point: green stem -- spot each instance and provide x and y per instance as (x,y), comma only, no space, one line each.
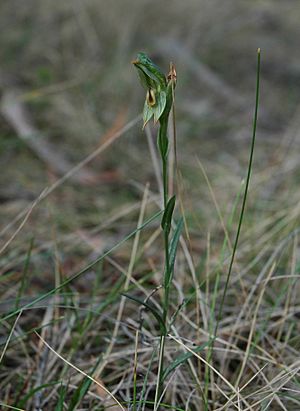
(165,181)
(241,218)
(245,195)
(167,275)
(159,387)
(163,144)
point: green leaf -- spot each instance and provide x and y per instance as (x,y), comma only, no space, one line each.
(62,395)
(79,393)
(182,359)
(22,403)
(161,100)
(173,248)
(151,308)
(167,216)
(82,389)
(156,109)
(148,113)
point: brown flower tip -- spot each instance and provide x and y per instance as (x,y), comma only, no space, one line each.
(172,76)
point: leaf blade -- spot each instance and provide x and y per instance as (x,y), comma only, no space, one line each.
(149,307)
(168,213)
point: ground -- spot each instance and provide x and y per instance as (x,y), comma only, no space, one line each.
(73,194)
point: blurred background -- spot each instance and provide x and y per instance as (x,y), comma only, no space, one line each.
(67,87)
(75,160)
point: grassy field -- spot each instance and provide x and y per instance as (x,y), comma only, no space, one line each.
(81,207)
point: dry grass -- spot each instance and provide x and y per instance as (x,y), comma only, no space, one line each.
(70,62)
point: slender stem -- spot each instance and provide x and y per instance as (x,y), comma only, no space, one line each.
(163,144)
(218,318)
(134,403)
(245,193)
(159,387)
(167,272)
(165,181)
(244,199)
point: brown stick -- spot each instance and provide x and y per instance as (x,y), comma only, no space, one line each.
(14,111)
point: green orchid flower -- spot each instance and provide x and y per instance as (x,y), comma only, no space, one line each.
(158,90)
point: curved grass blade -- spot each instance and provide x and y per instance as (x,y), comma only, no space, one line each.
(151,308)
(182,359)
(22,403)
(81,272)
(82,389)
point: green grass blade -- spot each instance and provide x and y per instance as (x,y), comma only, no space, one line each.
(151,308)
(62,395)
(79,393)
(145,382)
(182,359)
(22,403)
(81,272)
(245,194)
(82,389)
(173,248)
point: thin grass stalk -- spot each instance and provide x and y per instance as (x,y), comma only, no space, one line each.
(245,193)
(241,218)
(134,404)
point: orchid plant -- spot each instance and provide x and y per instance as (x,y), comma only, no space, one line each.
(158,105)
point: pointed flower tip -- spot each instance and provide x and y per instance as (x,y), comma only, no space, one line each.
(138,59)
(172,75)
